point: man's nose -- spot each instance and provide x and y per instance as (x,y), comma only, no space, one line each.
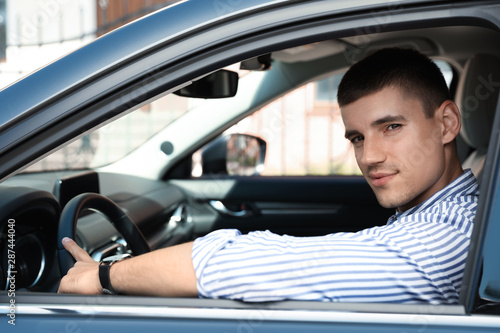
(373,152)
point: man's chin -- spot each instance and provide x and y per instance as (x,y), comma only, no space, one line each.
(389,203)
(389,206)
(388,197)
(400,206)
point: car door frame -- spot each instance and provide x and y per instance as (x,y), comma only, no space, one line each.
(101,313)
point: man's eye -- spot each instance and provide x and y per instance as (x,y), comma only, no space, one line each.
(357,139)
(392,127)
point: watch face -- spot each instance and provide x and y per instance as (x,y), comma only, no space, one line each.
(116,257)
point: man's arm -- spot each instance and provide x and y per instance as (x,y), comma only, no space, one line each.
(164,272)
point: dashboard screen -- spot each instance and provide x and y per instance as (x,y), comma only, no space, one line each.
(67,188)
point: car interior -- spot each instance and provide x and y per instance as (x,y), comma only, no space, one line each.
(172,205)
(477,114)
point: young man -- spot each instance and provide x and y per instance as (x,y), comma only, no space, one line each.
(399,117)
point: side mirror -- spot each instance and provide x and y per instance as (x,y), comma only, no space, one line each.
(220,84)
(235,155)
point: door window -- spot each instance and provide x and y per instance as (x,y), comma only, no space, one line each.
(304,132)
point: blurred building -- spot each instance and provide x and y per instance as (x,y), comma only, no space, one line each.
(36,32)
(112,14)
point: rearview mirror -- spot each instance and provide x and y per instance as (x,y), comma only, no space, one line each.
(220,84)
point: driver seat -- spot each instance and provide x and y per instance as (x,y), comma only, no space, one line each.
(477,96)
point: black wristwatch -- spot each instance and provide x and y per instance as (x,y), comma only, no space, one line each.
(104,270)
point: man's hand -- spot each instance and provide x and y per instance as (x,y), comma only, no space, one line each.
(164,272)
(83,278)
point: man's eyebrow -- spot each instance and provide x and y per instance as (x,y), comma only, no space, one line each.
(388,119)
(351,133)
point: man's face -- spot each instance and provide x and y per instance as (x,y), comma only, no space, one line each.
(398,149)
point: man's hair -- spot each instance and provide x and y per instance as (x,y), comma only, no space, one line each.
(411,71)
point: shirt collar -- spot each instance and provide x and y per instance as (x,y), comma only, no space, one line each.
(438,196)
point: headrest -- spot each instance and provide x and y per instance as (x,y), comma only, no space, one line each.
(477,96)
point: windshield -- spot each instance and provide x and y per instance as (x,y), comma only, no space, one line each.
(115,140)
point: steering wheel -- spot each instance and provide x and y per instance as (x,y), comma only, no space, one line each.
(107,208)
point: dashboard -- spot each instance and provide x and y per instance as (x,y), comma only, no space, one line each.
(30,216)
(29,221)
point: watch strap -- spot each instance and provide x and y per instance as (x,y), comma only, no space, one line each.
(104,278)
(105,271)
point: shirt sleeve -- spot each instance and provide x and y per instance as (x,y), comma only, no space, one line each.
(205,248)
(353,267)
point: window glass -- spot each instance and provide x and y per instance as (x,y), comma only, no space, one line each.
(304,132)
(326,89)
(446,70)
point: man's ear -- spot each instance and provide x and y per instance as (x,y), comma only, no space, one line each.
(451,120)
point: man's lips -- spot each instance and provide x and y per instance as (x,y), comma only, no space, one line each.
(381,178)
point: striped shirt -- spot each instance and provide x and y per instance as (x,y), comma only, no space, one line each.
(419,256)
